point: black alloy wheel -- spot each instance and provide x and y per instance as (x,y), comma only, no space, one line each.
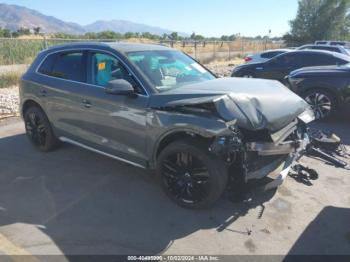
(321,102)
(190,175)
(185,177)
(38,129)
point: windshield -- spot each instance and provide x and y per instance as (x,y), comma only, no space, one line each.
(168,69)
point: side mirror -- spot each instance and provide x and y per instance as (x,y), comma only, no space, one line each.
(119,87)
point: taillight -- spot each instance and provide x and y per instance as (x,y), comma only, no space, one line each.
(247,59)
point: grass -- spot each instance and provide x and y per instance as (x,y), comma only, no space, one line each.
(9,79)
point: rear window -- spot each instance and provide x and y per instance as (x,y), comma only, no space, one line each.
(321,42)
(68,66)
(338,43)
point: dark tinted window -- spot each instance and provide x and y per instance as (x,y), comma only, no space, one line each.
(327,48)
(291,59)
(308,59)
(68,66)
(321,42)
(338,43)
(271,54)
(324,59)
(46,66)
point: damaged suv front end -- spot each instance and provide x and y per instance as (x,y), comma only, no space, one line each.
(154,107)
(258,127)
(259,154)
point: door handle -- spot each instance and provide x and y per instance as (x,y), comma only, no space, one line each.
(86,103)
(42,92)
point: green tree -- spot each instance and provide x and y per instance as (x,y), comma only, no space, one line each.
(224,38)
(164,36)
(199,37)
(174,36)
(5,32)
(108,35)
(319,20)
(193,36)
(90,35)
(23,31)
(37,30)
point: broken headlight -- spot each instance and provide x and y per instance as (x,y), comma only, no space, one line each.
(307,116)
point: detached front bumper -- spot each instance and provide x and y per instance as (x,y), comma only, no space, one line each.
(280,158)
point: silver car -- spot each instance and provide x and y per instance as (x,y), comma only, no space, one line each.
(264,56)
(331,48)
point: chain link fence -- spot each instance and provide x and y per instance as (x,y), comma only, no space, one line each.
(209,51)
(23,51)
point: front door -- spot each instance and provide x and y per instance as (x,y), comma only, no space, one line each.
(117,122)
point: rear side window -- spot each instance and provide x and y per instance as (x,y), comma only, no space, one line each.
(332,49)
(68,66)
(323,59)
(271,54)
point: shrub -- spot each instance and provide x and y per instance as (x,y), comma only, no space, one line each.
(10,78)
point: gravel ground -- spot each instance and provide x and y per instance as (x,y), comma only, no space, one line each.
(9,100)
(224,68)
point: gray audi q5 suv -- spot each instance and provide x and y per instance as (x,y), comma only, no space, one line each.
(157,108)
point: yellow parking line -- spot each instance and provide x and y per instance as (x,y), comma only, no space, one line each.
(15,252)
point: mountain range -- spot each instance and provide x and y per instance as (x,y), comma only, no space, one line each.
(14,17)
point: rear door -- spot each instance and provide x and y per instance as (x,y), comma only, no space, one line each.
(65,80)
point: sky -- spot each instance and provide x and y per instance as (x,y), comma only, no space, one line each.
(206,17)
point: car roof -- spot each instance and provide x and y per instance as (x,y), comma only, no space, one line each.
(123,47)
(308,51)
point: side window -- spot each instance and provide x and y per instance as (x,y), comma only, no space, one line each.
(290,60)
(68,66)
(269,55)
(47,64)
(332,49)
(105,68)
(322,60)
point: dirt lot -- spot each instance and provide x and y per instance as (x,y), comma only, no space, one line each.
(72,201)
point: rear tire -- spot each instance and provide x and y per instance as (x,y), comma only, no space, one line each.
(322,102)
(38,129)
(190,175)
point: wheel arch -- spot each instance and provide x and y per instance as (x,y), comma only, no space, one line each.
(172,136)
(29,103)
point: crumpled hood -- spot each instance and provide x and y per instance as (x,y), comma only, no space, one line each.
(254,103)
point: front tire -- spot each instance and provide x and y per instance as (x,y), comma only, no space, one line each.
(248,75)
(323,103)
(190,175)
(38,129)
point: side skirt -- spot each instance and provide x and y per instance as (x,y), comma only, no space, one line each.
(70,141)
